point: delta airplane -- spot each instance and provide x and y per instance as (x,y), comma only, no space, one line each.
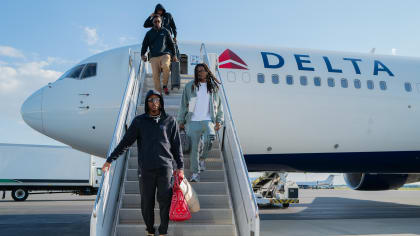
(327,183)
(296,110)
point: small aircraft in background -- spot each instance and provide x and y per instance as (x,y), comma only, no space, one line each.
(326,184)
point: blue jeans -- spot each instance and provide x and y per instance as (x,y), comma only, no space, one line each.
(196,129)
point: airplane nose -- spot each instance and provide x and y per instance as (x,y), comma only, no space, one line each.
(31,110)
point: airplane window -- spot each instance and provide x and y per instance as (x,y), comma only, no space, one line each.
(260,78)
(357,83)
(275,78)
(331,82)
(303,80)
(64,75)
(344,83)
(407,87)
(246,77)
(231,77)
(317,81)
(382,84)
(370,84)
(75,72)
(90,71)
(289,80)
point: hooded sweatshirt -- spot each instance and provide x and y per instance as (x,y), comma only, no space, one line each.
(159,42)
(167,20)
(158,139)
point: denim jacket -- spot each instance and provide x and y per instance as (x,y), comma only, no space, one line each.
(188,103)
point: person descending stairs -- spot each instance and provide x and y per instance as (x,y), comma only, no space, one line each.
(216,214)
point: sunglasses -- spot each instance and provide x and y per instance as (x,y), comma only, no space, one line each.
(154,100)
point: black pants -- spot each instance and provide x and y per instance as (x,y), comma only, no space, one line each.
(150,180)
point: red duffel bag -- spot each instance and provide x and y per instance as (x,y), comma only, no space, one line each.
(179,208)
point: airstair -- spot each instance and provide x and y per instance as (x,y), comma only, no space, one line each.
(228,206)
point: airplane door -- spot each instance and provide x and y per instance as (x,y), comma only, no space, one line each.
(184,64)
(213,61)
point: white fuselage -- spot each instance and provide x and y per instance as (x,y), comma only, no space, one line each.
(271,116)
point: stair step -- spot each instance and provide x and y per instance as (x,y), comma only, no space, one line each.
(205,176)
(214,153)
(208,216)
(211,163)
(179,229)
(207,188)
(206,201)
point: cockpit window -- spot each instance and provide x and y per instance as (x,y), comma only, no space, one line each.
(75,72)
(90,70)
(80,72)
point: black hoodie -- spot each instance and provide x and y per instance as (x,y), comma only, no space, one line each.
(157,142)
(167,20)
(159,42)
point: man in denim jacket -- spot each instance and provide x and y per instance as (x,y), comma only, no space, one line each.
(202,113)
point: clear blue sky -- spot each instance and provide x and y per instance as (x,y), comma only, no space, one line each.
(41,39)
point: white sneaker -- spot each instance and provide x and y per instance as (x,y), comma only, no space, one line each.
(195,177)
(202,165)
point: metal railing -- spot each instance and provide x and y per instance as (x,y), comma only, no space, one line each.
(102,218)
(244,202)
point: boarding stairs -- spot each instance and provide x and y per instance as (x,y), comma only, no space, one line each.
(227,203)
(216,215)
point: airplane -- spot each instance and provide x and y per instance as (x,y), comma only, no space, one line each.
(327,183)
(295,110)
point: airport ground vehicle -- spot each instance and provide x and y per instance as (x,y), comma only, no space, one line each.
(40,169)
(272,189)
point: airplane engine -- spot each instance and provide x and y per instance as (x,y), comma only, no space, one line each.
(377,182)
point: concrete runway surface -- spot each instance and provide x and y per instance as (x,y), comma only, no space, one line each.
(321,212)
(346,212)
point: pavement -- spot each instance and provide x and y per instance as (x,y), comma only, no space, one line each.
(346,212)
(321,212)
(46,214)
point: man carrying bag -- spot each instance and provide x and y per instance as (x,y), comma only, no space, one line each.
(158,143)
(159,41)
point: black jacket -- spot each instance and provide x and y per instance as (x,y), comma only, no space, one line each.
(167,20)
(157,143)
(159,43)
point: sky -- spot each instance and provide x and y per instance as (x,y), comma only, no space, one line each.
(39,40)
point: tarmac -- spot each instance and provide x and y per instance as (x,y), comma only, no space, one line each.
(320,212)
(346,212)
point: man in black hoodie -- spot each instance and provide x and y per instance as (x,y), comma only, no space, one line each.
(167,20)
(158,142)
(161,47)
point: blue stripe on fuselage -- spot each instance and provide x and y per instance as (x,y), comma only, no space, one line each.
(345,162)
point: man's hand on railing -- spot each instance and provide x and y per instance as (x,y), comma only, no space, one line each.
(174,58)
(106,167)
(181,126)
(217,126)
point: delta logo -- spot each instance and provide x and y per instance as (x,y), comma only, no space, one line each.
(229,60)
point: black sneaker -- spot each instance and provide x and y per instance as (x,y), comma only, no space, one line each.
(149,234)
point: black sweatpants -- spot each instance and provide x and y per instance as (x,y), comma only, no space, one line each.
(150,180)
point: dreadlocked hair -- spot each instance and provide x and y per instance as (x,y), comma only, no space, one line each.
(212,81)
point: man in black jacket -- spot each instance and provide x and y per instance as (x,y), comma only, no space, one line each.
(158,142)
(161,47)
(167,20)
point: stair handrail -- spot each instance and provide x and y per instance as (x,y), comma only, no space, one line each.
(251,225)
(100,223)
